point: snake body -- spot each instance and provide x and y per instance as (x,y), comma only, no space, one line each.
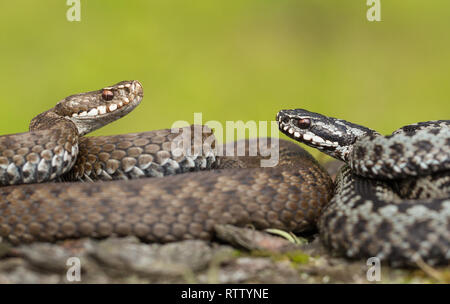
(392,199)
(229,190)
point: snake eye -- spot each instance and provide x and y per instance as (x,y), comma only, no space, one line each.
(107,95)
(304,123)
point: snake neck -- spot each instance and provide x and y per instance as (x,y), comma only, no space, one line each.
(335,137)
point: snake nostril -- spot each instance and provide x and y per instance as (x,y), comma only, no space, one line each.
(285,119)
(107,95)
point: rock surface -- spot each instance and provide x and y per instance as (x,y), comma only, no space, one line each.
(239,255)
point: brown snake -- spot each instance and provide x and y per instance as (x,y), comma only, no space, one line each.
(183,206)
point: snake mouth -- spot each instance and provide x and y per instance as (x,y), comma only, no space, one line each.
(92,110)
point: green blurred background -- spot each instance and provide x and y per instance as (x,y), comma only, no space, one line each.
(229,59)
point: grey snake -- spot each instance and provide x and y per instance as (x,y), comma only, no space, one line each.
(392,198)
(105,189)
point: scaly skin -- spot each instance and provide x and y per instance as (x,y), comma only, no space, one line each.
(185,206)
(392,201)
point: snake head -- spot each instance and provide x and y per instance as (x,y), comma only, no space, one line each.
(92,110)
(332,136)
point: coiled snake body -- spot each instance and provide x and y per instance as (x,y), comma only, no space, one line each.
(372,213)
(184,206)
(392,199)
